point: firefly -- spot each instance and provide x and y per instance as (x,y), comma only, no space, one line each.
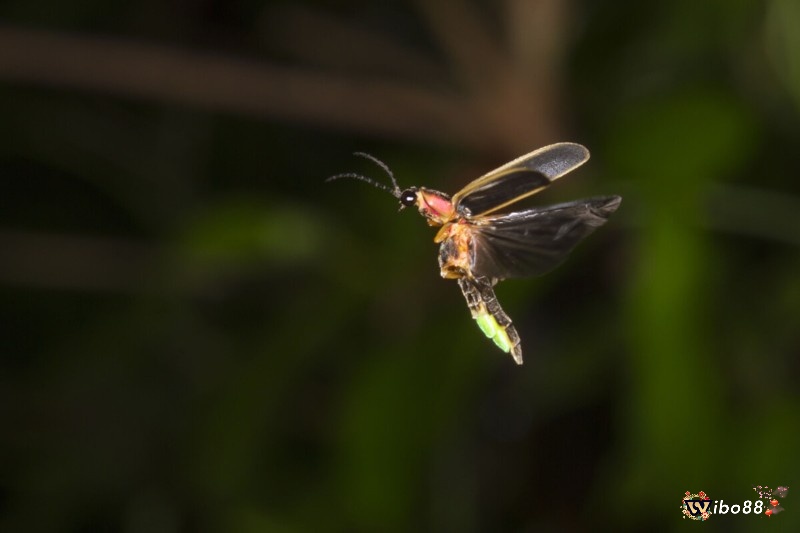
(481,244)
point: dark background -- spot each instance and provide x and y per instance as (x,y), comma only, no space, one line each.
(199,334)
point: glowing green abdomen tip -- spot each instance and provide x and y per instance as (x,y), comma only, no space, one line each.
(492,329)
(488,325)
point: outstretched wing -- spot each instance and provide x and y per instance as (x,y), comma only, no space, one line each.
(533,242)
(518,179)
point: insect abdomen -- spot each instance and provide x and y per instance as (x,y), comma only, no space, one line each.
(491,318)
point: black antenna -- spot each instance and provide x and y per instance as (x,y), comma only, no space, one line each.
(394,192)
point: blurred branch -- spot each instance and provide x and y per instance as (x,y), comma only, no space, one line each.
(537,36)
(473,53)
(102,264)
(336,44)
(230,84)
(514,93)
(73,262)
(757,213)
(504,102)
(783,43)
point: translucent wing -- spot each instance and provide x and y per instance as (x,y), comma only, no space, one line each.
(533,242)
(518,179)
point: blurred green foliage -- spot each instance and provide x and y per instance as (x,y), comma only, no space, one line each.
(199,334)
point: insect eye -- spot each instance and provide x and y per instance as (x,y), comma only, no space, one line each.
(408,198)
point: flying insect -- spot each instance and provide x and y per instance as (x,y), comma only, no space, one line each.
(480,245)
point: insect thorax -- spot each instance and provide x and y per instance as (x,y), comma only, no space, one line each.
(455,257)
